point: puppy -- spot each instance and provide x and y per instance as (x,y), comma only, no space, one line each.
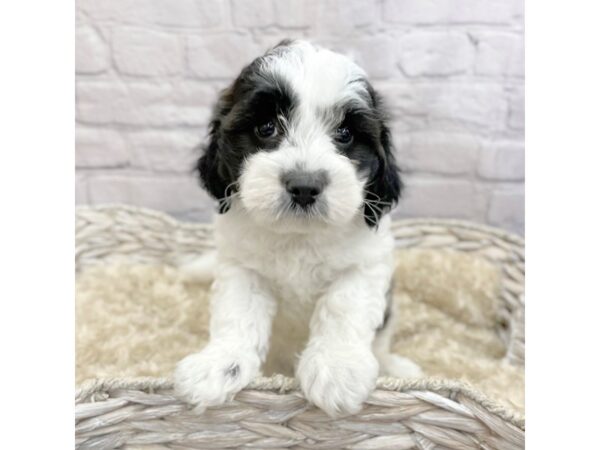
(301,163)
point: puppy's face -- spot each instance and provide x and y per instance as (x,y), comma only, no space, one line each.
(299,141)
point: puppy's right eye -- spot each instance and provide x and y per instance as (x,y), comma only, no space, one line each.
(266,130)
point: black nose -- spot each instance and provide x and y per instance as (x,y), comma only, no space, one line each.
(304,195)
(304,188)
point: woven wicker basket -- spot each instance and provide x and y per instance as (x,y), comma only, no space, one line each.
(271,412)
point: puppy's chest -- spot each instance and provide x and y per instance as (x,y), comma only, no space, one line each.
(297,274)
(300,268)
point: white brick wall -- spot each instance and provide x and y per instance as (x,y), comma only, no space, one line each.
(148,72)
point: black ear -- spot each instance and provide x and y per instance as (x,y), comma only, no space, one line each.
(213,174)
(211,167)
(384,186)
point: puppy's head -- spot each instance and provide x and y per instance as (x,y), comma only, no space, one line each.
(299,140)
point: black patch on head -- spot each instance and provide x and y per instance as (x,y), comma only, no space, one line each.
(365,129)
(253,99)
(373,153)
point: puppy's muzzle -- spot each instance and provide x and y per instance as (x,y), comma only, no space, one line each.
(305,187)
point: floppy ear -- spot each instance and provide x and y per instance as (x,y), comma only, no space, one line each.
(213,172)
(384,186)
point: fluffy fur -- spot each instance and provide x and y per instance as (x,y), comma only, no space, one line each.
(140,320)
(301,162)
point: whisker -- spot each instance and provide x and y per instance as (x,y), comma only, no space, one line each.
(283,211)
(226,200)
(375,221)
(379,200)
(372,205)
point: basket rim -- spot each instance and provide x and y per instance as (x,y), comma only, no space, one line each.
(396,223)
(280,384)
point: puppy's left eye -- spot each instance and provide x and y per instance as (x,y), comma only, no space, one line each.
(343,135)
(266,130)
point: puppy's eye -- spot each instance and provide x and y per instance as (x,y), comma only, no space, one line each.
(266,130)
(343,135)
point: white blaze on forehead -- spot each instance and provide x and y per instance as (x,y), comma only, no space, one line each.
(321,82)
(319,78)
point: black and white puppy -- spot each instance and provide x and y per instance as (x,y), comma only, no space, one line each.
(301,162)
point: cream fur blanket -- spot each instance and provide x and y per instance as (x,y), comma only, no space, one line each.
(136,320)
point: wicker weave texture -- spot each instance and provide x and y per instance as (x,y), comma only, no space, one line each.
(271,413)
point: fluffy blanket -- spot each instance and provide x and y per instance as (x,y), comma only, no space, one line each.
(137,320)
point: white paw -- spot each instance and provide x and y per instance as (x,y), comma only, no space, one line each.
(337,378)
(214,375)
(398,366)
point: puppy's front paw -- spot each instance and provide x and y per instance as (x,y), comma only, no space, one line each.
(338,379)
(214,375)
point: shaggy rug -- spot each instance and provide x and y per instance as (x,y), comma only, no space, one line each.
(140,320)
